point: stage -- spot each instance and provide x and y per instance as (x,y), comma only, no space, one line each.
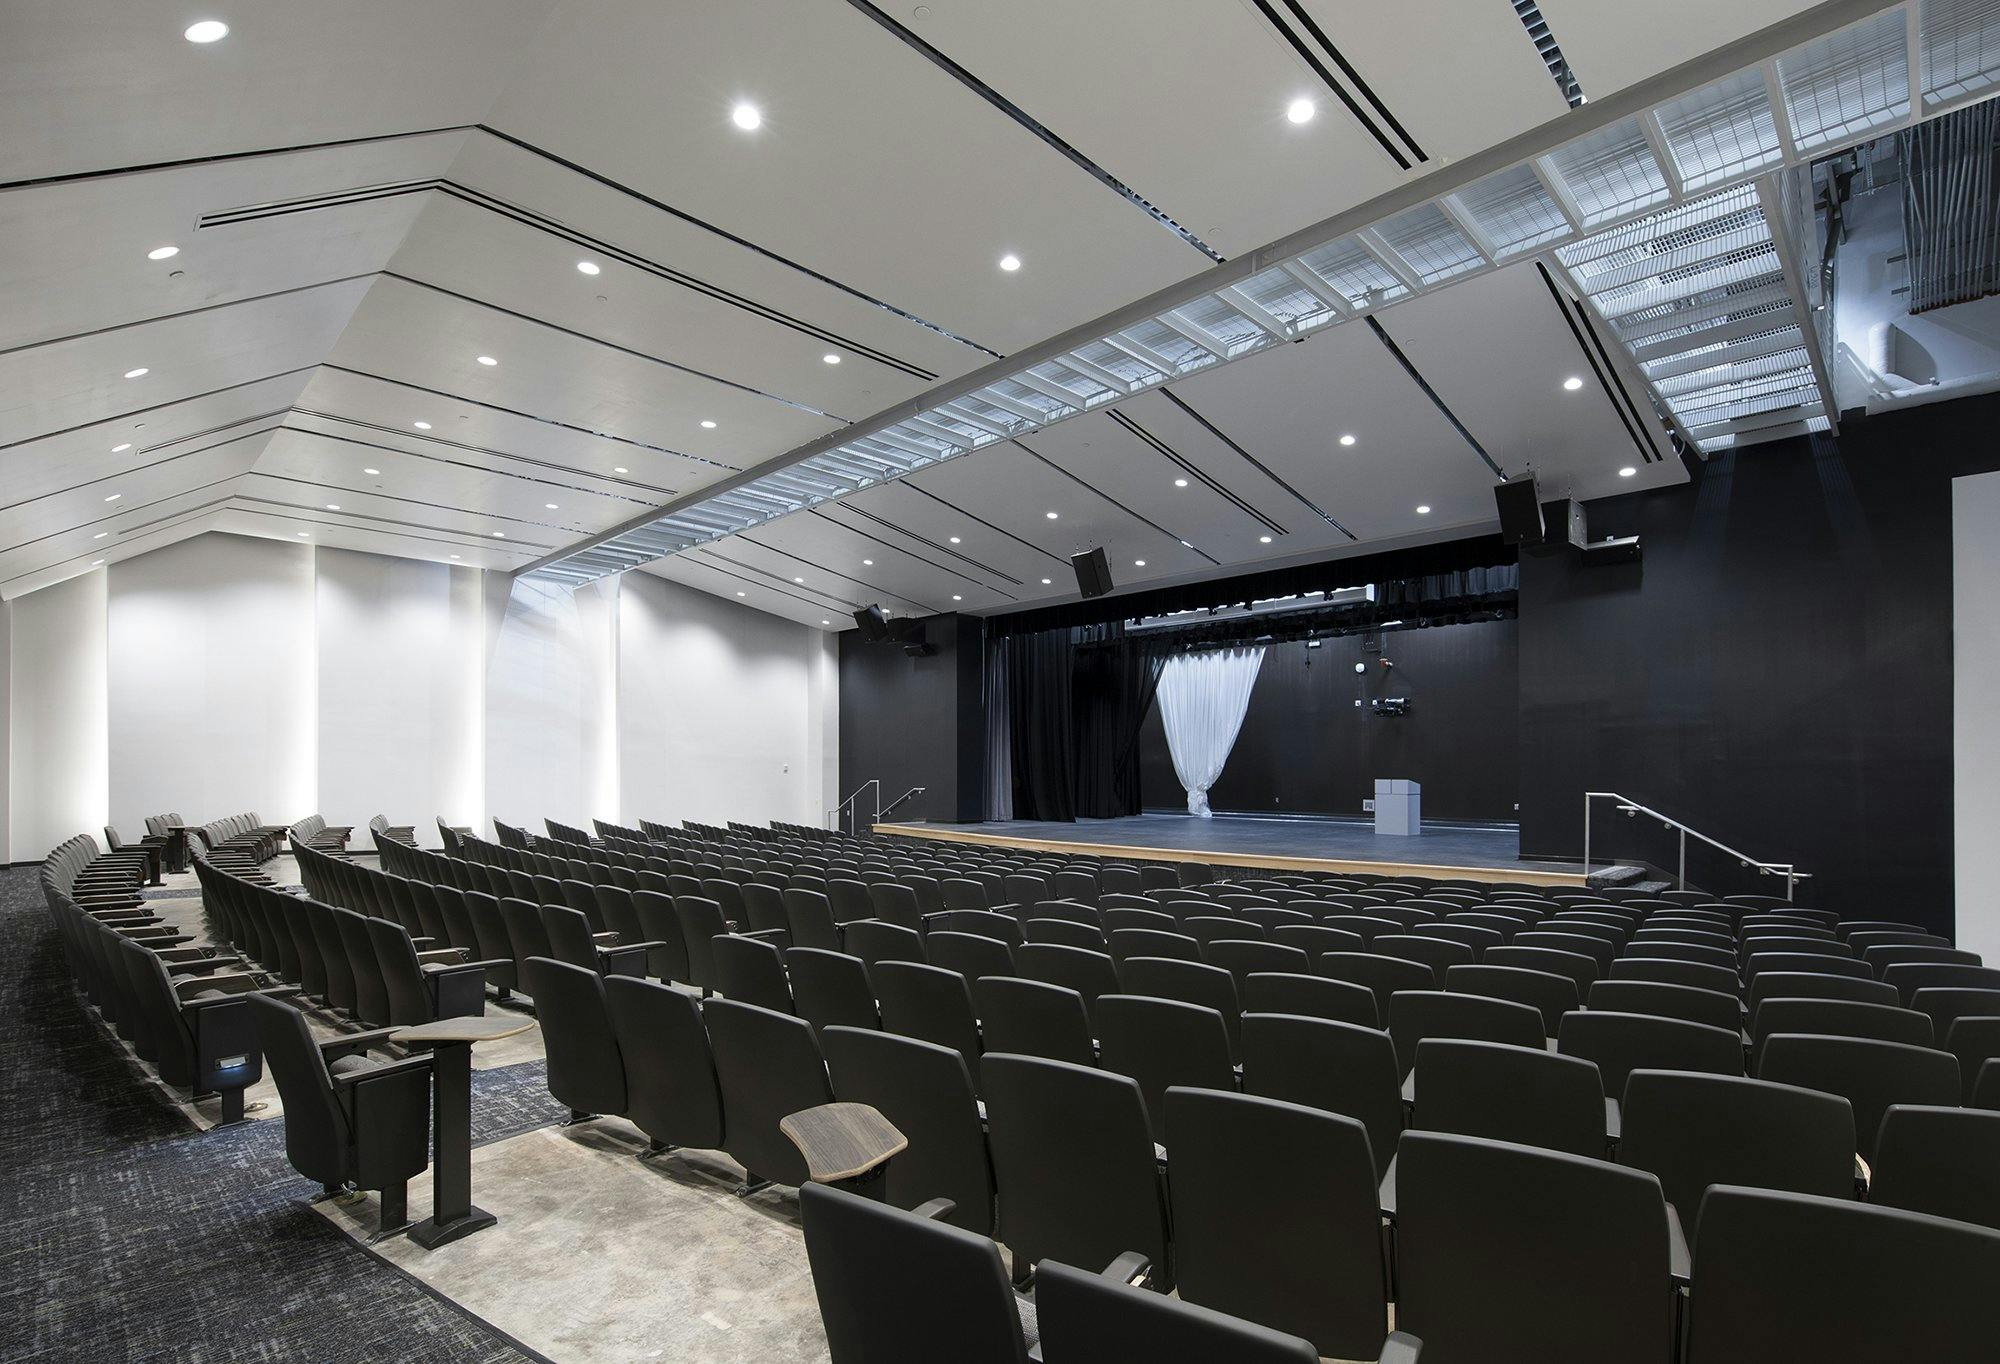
(1489,852)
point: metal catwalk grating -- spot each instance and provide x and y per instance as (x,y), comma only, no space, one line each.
(1660,216)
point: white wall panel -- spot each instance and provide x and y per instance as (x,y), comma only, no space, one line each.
(56,711)
(6,732)
(399,693)
(212,681)
(724,711)
(1975,547)
(550,702)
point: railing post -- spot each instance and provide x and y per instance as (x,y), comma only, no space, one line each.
(1586,837)
(1684,860)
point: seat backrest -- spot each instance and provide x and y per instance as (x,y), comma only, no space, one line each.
(1941,1161)
(893,1285)
(402,976)
(1417,1014)
(1685,1002)
(1240,958)
(874,941)
(1840,1018)
(1908,978)
(1549,994)
(768,1067)
(1974,1041)
(1190,982)
(1813,985)
(659,923)
(701,923)
(1869,1074)
(1785,1278)
(1127,943)
(1302,1253)
(1338,1067)
(1507,1254)
(969,954)
(750,971)
(1033,1018)
(925,1091)
(830,989)
(1701,975)
(670,1083)
(570,935)
(371,991)
(1694,1130)
(1509,1093)
(1277,992)
(318,1137)
(928,1003)
(1073,1159)
(810,916)
(1947,1004)
(1087,1317)
(586,1071)
(1090,974)
(1162,1042)
(1622,1043)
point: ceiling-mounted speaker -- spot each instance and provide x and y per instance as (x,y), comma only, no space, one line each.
(874,625)
(1093,572)
(1520,504)
(1563,523)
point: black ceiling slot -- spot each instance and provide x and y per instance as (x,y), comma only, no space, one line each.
(1417,376)
(1258,465)
(1600,364)
(1387,130)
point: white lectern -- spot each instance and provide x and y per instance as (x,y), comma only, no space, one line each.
(1399,806)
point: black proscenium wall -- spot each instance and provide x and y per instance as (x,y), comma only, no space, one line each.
(916,721)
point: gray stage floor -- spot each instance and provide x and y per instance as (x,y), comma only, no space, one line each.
(1492,845)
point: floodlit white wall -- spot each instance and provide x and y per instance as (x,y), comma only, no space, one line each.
(213,683)
(724,712)
(56,714)
(1975,547)
(400,693)
(230,673)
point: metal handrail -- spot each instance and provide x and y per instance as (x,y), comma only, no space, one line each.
(1630,808)
(848,804)
(890,808)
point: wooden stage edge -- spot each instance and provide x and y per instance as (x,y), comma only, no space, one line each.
(946,834)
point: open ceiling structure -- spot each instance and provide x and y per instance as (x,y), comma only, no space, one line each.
(510,284)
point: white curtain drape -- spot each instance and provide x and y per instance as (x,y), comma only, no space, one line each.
(1202,700)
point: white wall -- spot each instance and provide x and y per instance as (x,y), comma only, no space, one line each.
(725,712)
(228,673)
(57,763)
(213,682)
(6,734)
(1975,547)
(400,693)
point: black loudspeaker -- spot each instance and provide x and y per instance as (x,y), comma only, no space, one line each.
(1093,572)
(1520,510)
(1563,523)
(874,625)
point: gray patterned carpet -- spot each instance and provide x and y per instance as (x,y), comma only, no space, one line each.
(125,1235)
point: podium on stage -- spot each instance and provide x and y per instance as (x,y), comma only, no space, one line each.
(1399,806)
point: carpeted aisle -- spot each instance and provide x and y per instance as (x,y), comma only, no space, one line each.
(125,1235)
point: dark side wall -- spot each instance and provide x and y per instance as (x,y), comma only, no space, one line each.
(1777,672)
(916,721)
(1305,748)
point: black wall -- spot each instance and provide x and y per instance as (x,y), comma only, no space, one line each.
(1776,673)
(916,721)
(1306,749)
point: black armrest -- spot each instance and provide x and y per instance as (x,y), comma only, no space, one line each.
(1132,1267)
(776,935)
(1386,1195)
(235,982)
(176,954)
(387,1070)
(1679,1263)
(441,956)
(198,965)
(1400,1348)
(937,1209)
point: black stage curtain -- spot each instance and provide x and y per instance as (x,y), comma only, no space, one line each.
(1114,686)
(1041,733)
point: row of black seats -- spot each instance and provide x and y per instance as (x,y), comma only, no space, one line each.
(182,1008)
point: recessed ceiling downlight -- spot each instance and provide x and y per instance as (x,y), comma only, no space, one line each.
(748,117)
(589,267)
(1347,440)
(163,253)
(1010,262)
(138,373)
(121,449)
(206,31)
(1627,472)
(1573,383)
(421,426)
(830,358)
(1423,509)
(370,471)
(1301,110)
(708,426)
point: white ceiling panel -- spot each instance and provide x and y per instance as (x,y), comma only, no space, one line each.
(433,339)
(486,255)
(718,579)
(1459,75)
(176,529)
(88,85)
(77,251)
(904,578)
(1194,122)
(283,493)
(872,165)
(1611,46)
(271,521)
(75,382)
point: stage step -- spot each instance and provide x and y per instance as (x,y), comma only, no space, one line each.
(1613,878)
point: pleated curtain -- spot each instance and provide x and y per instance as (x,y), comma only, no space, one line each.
(1203,698)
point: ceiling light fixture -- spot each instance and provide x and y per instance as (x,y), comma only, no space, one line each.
(954,539)
(138,373)
(421,426)
(748,117)
(830,358)
(95,562)
(1180,483)
(868,563)
(333,506)
(1045,582)
(114,497)
(1573,383)
(100,535)
(1423,509)
(1010,262)
(366,470)
(1263,539)
(163,253)
(1301,110)
(121,449)
(956,597)
(798,580)
(301,534)
(618,469)
(1051,515)
(1347,440)
(206,31)
(1138,563)
(499,535)
(487,360)
(588,267)
(739,594)
(454,556)
(550,505)
(708,426)
(1627,471)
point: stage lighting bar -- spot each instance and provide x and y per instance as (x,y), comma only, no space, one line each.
(1718,146)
